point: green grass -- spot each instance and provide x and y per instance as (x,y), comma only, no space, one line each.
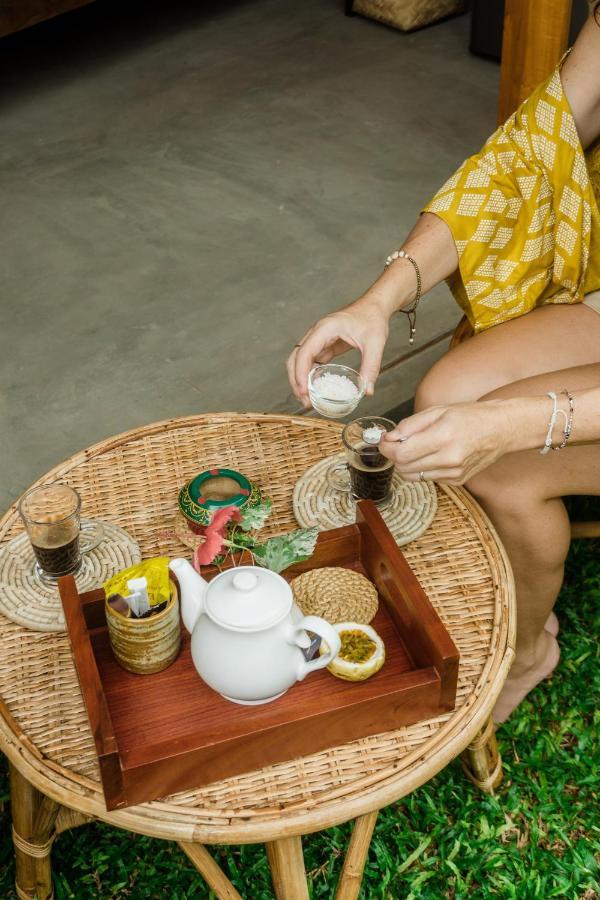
(538,838)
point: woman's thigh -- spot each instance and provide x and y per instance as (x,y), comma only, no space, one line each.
(545,340)
(521,477)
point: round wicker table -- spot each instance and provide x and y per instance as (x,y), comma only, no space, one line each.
(133,480)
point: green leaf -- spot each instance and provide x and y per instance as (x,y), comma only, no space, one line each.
(286,549)
(254,517)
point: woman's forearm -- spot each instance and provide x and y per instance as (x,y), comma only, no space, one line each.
(431,245)
(527,419)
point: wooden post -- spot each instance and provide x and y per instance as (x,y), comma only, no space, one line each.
(32,850)
(286,860)
(481,760)
(356,857)
(535,37)
(212,873)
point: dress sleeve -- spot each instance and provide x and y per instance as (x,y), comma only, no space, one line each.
(523,215)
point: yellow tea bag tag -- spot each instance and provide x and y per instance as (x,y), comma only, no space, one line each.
(156,573)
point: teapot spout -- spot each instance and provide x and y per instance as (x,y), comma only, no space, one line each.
(192,588)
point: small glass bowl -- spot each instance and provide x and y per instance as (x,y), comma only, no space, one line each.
(329,406)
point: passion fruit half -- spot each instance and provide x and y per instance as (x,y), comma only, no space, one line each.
(361,655)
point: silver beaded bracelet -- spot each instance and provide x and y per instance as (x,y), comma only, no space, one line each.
(410,311)
(556,412)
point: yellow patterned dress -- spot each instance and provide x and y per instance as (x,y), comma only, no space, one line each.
(524,214)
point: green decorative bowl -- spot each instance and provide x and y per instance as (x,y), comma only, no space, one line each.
(214,489)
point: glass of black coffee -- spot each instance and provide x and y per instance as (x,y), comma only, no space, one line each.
(51,513)
(367,473)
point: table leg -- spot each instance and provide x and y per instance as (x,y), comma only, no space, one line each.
(212,873)
(33,818)
(286,860)
(356,857)
(481,760)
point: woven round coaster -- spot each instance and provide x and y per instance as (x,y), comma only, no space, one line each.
(26,600)
(408,514)
(336,594)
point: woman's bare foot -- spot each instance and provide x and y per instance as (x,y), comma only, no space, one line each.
(552,624)
(519,684)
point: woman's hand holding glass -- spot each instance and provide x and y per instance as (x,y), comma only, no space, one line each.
(364,325)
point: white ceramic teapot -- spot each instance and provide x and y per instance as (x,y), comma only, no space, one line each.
(247,632)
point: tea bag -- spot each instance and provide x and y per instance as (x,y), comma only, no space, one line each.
(137,600)
(145,588)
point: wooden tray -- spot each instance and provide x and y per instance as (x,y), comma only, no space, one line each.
(158,734)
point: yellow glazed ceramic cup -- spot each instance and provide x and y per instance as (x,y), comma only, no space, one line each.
(147,645)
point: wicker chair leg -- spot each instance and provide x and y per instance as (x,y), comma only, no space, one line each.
(212,873)
(356,857)
(33,818)
(286,860)
(481,760)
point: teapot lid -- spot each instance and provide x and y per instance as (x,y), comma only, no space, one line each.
(248,598)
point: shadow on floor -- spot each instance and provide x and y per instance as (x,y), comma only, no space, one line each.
(92,36)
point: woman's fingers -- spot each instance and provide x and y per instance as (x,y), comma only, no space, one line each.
(415,424)
(447,476)
(372,353)
(407,452)
(320,345)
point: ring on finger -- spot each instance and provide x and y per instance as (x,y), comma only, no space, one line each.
(422,476)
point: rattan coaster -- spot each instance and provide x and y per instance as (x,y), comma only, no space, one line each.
(408,514)
(26,600)
(336,594)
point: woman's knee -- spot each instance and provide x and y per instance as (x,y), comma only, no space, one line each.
(445,383)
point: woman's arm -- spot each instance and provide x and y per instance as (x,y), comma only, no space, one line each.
(454,443)
(580,77)
(364,324)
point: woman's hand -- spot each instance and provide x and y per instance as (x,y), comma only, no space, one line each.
(363,325)
(451,443)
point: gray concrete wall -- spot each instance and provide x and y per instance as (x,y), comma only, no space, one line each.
(185,187)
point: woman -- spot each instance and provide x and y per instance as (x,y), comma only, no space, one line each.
(516,231)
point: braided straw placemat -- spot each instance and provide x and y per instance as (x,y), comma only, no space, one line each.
(336,594)
(408,514)
(29,602)
(44,728)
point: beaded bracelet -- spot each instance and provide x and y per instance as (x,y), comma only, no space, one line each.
(569,421)
(556,412)
(411,311)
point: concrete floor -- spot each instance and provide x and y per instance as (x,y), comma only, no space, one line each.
(185,187)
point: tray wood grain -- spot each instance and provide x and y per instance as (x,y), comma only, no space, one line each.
(162,733)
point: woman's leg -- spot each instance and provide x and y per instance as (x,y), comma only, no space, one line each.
(545,340)
(522,492)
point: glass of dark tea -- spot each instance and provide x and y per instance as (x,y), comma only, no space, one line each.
(367,474)
(51,514)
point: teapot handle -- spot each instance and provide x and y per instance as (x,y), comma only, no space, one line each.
(327,633)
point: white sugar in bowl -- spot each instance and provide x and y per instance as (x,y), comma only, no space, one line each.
(334,390)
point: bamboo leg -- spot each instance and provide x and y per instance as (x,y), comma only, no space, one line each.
(287,868)
(32,838)
(481,760)
(212,873)
(356,857)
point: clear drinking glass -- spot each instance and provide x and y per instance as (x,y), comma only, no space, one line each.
(52,516)
(367,474)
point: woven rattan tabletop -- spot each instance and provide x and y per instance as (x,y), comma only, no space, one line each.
(133,480)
